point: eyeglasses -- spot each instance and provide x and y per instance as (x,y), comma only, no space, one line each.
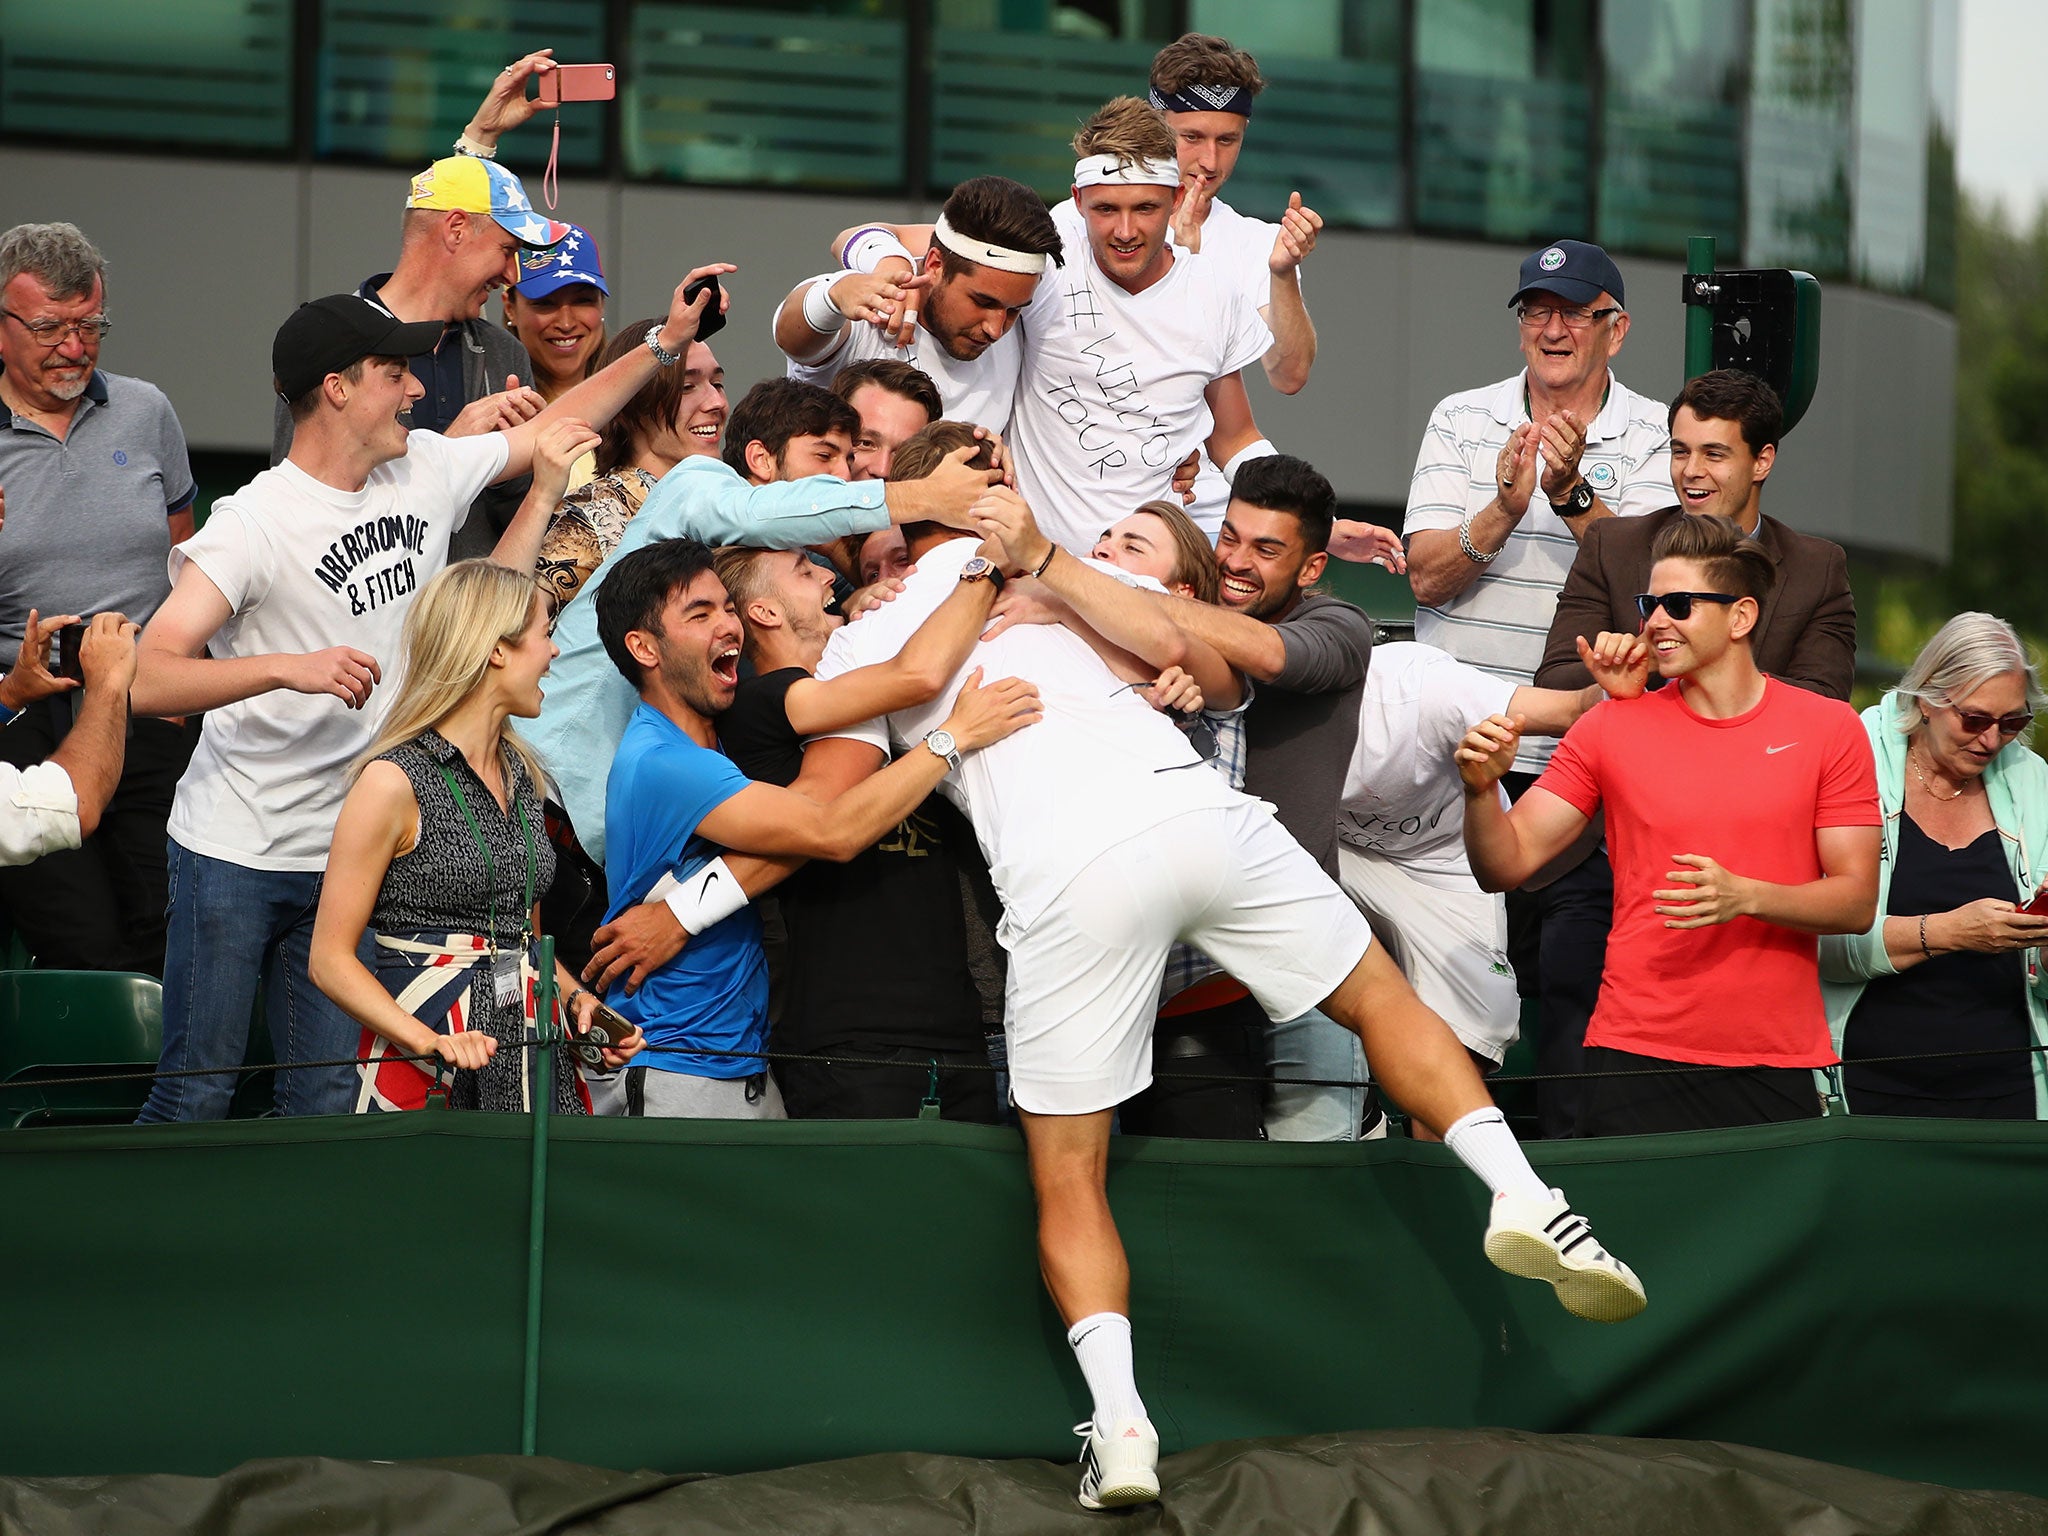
(54,333)
(1575,317)
(1975,724)
(1679,604)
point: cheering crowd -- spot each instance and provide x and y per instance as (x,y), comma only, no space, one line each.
(957,719)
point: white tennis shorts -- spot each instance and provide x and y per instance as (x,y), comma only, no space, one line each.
(1451,945)
(1084,977)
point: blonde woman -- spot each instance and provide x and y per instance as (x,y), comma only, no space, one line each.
(440,850)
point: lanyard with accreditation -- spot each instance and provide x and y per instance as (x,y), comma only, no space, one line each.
(505,983)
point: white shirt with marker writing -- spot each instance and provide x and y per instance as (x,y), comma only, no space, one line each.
(304,567)
(1111,396)
(1403,801)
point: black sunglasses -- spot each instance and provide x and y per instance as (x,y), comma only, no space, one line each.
(1678,604)
(1975,724)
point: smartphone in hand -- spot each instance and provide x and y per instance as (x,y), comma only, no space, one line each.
(2038,907)
(576,82)
(68,653)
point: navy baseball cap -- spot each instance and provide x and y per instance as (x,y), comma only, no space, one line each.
(573,259)
(326,335)
(1573,270)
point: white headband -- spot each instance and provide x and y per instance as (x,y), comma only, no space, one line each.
(1113,170)
(1002,258)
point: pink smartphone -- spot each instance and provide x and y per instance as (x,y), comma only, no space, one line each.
(576,82)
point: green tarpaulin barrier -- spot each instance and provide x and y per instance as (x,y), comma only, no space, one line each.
(725,1297)
(1419,1483)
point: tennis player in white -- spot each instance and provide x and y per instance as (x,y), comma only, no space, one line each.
(951,311)
(1108,840)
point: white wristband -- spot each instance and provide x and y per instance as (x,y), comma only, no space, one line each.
(709,896)
(820,313)
(1259,450)
(868,248)
(465,145)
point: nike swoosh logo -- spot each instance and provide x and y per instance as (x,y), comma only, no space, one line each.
(1774,751)
(711,877)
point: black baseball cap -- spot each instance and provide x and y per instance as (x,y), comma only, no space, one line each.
(1573,270)
(326,335)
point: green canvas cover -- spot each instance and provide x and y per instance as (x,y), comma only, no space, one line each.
(1415,1483)
(731,1297)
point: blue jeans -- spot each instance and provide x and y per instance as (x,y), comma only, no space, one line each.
(231,927)
(1315,1046)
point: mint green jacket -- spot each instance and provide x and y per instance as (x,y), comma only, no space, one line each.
(2016,783)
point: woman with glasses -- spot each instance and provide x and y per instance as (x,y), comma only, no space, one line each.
(1951,972)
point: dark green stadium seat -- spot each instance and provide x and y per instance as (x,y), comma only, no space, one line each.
(56,1024)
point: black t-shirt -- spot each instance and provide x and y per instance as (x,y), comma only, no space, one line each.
(877,946)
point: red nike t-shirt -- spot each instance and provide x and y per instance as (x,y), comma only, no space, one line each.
(1749,793)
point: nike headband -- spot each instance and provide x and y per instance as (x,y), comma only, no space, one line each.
(1002,258)
(1113,170)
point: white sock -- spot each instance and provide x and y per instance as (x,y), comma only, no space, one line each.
(1483,1143)
(1102,1343)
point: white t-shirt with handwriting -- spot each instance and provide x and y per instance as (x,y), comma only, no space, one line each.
(1402,798)
(304,567)
(1111,397)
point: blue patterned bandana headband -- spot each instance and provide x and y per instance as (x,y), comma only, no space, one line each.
(1203,98)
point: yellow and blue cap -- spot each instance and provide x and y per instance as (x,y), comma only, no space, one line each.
(466,184)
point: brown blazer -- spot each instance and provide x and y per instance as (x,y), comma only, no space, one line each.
(1805,635)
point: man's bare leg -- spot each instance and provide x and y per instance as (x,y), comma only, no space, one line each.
(1427,1071)
(1079,1251)
(1082,1258)
(1415,1058)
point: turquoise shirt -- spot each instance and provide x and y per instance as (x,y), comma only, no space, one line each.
(585,701)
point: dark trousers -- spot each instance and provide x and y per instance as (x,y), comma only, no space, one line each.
(1577,910)
(1226,1043)
(1525,919)
(100,907)
(1689,1099)
(894,1089)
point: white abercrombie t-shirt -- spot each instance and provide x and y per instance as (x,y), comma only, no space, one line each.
(304,567)
(1402,799)
(980,392)
(1111,396)
(1099,768)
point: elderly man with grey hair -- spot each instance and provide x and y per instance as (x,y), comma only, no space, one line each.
(98,488)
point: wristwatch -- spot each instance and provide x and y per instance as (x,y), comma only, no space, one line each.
(943,747)
(1577,502)
(662,355)
(981,568)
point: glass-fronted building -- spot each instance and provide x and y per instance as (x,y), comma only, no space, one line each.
(249,153)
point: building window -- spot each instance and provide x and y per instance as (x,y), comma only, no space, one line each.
(1329,122)
(1503,118)
(1801,111)
(209,74)
(399,81)
(767,95)
(1671,124)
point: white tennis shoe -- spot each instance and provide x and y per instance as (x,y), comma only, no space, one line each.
(1119,1463)
(1548,1240)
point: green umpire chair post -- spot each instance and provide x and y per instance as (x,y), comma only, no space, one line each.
(59,1024)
